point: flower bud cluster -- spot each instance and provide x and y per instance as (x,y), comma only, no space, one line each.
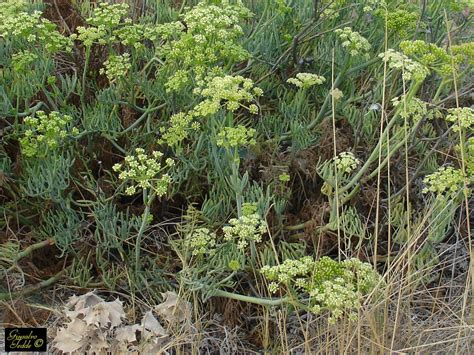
(306,80)
(411,70)
(44,133)
(401,22)
(248,228)
(353,41)
(142,171)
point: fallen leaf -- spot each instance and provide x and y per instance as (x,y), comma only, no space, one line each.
(169,309)
(71,338)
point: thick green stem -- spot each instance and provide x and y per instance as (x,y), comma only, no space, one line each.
(250,299)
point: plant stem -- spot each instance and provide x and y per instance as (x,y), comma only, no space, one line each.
(250,299)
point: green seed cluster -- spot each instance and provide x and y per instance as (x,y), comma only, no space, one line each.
(346,162)
(233,137)
(45,132)
(233,91)
(411,70)
(462,117)
(445,181)
(353,41)
(32,29)
(142,171)
(245,229)
(306,80)
(337,287)
(116,67)
(202,241)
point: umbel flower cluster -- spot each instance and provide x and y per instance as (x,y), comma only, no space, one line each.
(22,60)
(462,117)
(210,37)
(226,91)
(445,181)
(248,228)
(326,284)
(32,28)
(116,67)
(202,241)
(142,171)
(232,137)
(45,132)
(306,80)
(102,24)
(233,91)
(413,108)
(346,162)
(411,70)
(353,41)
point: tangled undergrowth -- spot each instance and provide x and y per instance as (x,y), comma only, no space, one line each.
(298,174)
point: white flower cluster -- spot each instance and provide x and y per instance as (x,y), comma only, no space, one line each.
(411,70)
(346,162)
(306,80)
(45,132)
(413,108)
(445,181)
(289,269)
(116,67)
(108,15)
(232,137)
(353,41)
(244,229)
(202,241)
(142,171)
(336,287)
(234,90)
(104,20)
(34,29)
(462,117)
